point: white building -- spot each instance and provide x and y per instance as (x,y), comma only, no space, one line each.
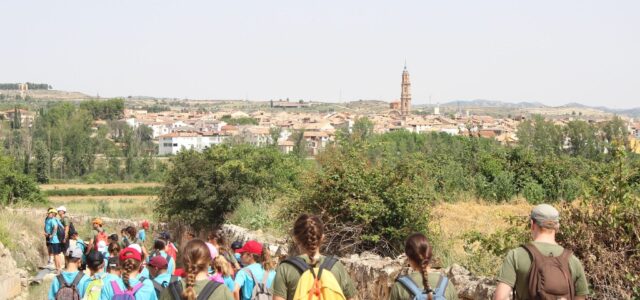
(172,143)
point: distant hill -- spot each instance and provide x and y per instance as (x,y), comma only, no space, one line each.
(49,95)
(488,103)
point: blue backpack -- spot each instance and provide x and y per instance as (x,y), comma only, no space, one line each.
(419,294)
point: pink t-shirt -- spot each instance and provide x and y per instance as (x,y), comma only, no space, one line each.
(217,277)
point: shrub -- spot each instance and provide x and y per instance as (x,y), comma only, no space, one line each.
(533,192)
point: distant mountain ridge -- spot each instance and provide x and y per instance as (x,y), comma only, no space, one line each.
(632,112)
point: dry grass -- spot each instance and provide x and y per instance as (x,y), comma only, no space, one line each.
(64,186)
(456,219)
(59,199)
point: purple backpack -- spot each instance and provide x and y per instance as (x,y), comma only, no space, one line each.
(119,294)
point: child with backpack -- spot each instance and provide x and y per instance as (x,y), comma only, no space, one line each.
(132,285)
(70,283)
(418,285)
(310,275)
(222,272)
(196,260)
(157,270)
(142,233)
(256,279)
(95,264)
(159,247)
(55,232)
(171,249)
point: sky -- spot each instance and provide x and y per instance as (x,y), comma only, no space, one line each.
(549,51)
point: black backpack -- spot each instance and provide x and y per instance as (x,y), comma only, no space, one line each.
(159,287)
(60,232)
(175,289)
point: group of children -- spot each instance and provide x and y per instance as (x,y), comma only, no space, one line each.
(213,269)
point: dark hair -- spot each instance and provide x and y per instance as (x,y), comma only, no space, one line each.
(308,231)
(113,264)
(158,245)
(196,258)
(219,237)
(113,237)
(420,252)
(113,248)
(95,260)
(131,232)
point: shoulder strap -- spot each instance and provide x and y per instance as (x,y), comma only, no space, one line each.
(138,286)
(441,287)
(298,263)
(411,286)
(329,262)
(77,279)
(175,289)
(61,280)
(157,286)
(208,290)
(173,279)
(115,287)
(252,276)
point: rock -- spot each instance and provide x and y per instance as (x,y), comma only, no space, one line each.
(13,281)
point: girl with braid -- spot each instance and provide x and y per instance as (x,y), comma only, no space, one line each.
(131,280)
(308,235)
(419,255)
(196,259)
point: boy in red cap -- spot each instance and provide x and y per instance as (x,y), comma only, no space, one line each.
(259,267)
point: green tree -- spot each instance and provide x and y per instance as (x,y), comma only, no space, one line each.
(42,163)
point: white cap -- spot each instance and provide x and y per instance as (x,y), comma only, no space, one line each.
(62,208)
(137,247)
(102,247)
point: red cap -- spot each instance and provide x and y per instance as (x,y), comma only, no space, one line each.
(159,262)
(252,247)
(130,252)
(145,224)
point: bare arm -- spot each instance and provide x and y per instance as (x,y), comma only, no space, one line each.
(236,293)
(278,298)
(503,291)
(580,298)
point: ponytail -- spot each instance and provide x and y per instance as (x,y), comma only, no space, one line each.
(419,251)
(267,263)
(308,232)
(196,258)
(128,266)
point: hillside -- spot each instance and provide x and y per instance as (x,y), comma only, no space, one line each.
(48,95)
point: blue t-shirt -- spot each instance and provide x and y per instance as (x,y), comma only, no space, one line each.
(68,278)
(244,281)
(49,229)
(228,281)
(146,292)
(142,235)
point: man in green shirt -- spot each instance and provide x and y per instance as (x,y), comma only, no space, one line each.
(545,223)
(62,214)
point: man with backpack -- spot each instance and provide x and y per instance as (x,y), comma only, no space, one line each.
(71,283)
(67,225)
(157,269)
(97,235)
(542,269)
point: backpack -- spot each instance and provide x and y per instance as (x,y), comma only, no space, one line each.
(130,294)
(549,276)
(323,286)
(260,290)
(94,290)
(175,290)
(101,236)
(159,287)
(420,294)
(68,291)
(60,232)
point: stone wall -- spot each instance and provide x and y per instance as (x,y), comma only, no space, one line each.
(13,281)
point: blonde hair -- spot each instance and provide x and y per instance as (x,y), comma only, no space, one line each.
(222,266)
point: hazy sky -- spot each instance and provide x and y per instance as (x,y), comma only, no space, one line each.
(552,51)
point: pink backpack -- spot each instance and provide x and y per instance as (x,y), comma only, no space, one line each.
(119,294)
